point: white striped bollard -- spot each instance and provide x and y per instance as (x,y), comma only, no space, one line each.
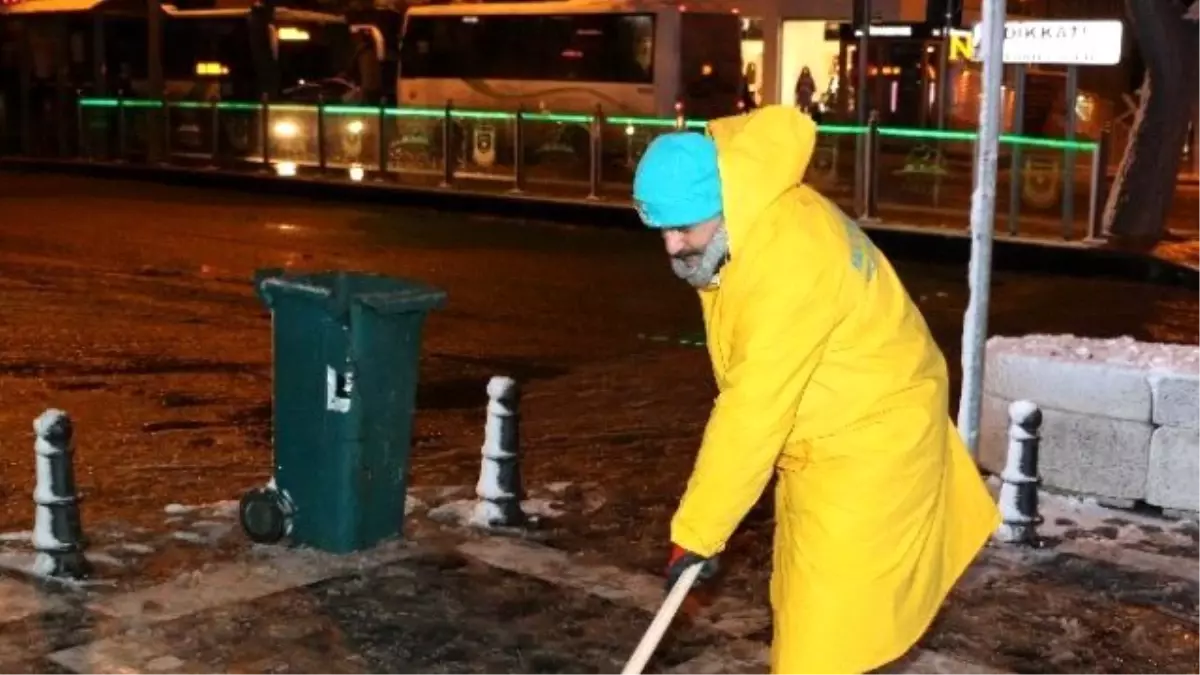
(1019,489)
(57,533)
(499,488)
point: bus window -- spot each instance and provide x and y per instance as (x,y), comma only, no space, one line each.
(615,48)
(313,52)
(710,64)
(217,41)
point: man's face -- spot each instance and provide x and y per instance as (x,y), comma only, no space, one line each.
(696,252)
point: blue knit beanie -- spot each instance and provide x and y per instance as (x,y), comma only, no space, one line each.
(677,183)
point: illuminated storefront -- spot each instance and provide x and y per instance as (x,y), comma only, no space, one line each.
(782,38)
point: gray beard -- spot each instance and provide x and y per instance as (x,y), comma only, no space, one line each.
(701,273)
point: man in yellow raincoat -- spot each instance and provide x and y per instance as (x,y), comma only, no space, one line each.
(829,379)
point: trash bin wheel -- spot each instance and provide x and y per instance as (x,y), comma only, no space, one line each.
(262,515)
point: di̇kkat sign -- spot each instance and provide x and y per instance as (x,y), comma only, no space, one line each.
(1068,43)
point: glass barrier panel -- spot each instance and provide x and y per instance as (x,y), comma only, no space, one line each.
(190,130)
(135,118)
(1034,191)
(414,140)
(924,177)
(292,134)
(482,145)
(352,137)
(557,153)
(99,132)
(1040,186)
(624,141)
(239,136)
(831,169)
(10,126)
(1081,194)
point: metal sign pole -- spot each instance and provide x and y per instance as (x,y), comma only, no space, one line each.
(983,211)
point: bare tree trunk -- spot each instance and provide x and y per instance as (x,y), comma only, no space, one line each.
(1140,200)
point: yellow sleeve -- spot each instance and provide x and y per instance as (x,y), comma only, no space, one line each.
(782,327)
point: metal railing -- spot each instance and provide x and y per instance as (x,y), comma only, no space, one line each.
(1055,187)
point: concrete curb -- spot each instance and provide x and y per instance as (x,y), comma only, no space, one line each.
(899,241)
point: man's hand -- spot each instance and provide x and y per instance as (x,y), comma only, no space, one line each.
(682,559)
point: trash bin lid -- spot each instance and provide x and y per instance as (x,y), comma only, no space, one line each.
(338,290)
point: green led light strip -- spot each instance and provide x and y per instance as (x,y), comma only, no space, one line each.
(841,129)
(971,136)
(350,110)
(565,118)
(1051,143)
(641,121)
(927,134)
(481,115)
(430,113)
(569,118)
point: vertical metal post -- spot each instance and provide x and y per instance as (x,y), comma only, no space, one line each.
(215,119)
(322,159)
(84,147)
(264,130)
(1193,155)
(62,76)
(595,154)
(154,51)
(518,151)
(943,83)
(1068,205)
(447,146)
(983,211)
(25,54)
(943,93)
(122,151)
(1098,183)
(383,138)
(166,132)
(860,180)
(1015,169)
(871,168)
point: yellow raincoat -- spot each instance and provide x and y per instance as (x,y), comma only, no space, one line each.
(829,376)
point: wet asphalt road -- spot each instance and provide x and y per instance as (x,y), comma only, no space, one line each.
(129,305)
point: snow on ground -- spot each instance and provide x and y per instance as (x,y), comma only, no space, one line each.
(1124,351)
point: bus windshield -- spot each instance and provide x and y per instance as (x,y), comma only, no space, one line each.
(615,48)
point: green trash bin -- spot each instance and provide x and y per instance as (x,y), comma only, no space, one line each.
(346,352)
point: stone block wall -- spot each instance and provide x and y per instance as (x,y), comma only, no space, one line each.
(1120,417)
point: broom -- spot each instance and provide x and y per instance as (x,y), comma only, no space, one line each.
(658,627)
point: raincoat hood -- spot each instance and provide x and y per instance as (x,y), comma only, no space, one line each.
(760,156)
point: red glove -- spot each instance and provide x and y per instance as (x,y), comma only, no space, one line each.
(681,559)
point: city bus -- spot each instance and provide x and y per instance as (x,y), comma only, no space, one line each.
(627,57)
(288,54)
